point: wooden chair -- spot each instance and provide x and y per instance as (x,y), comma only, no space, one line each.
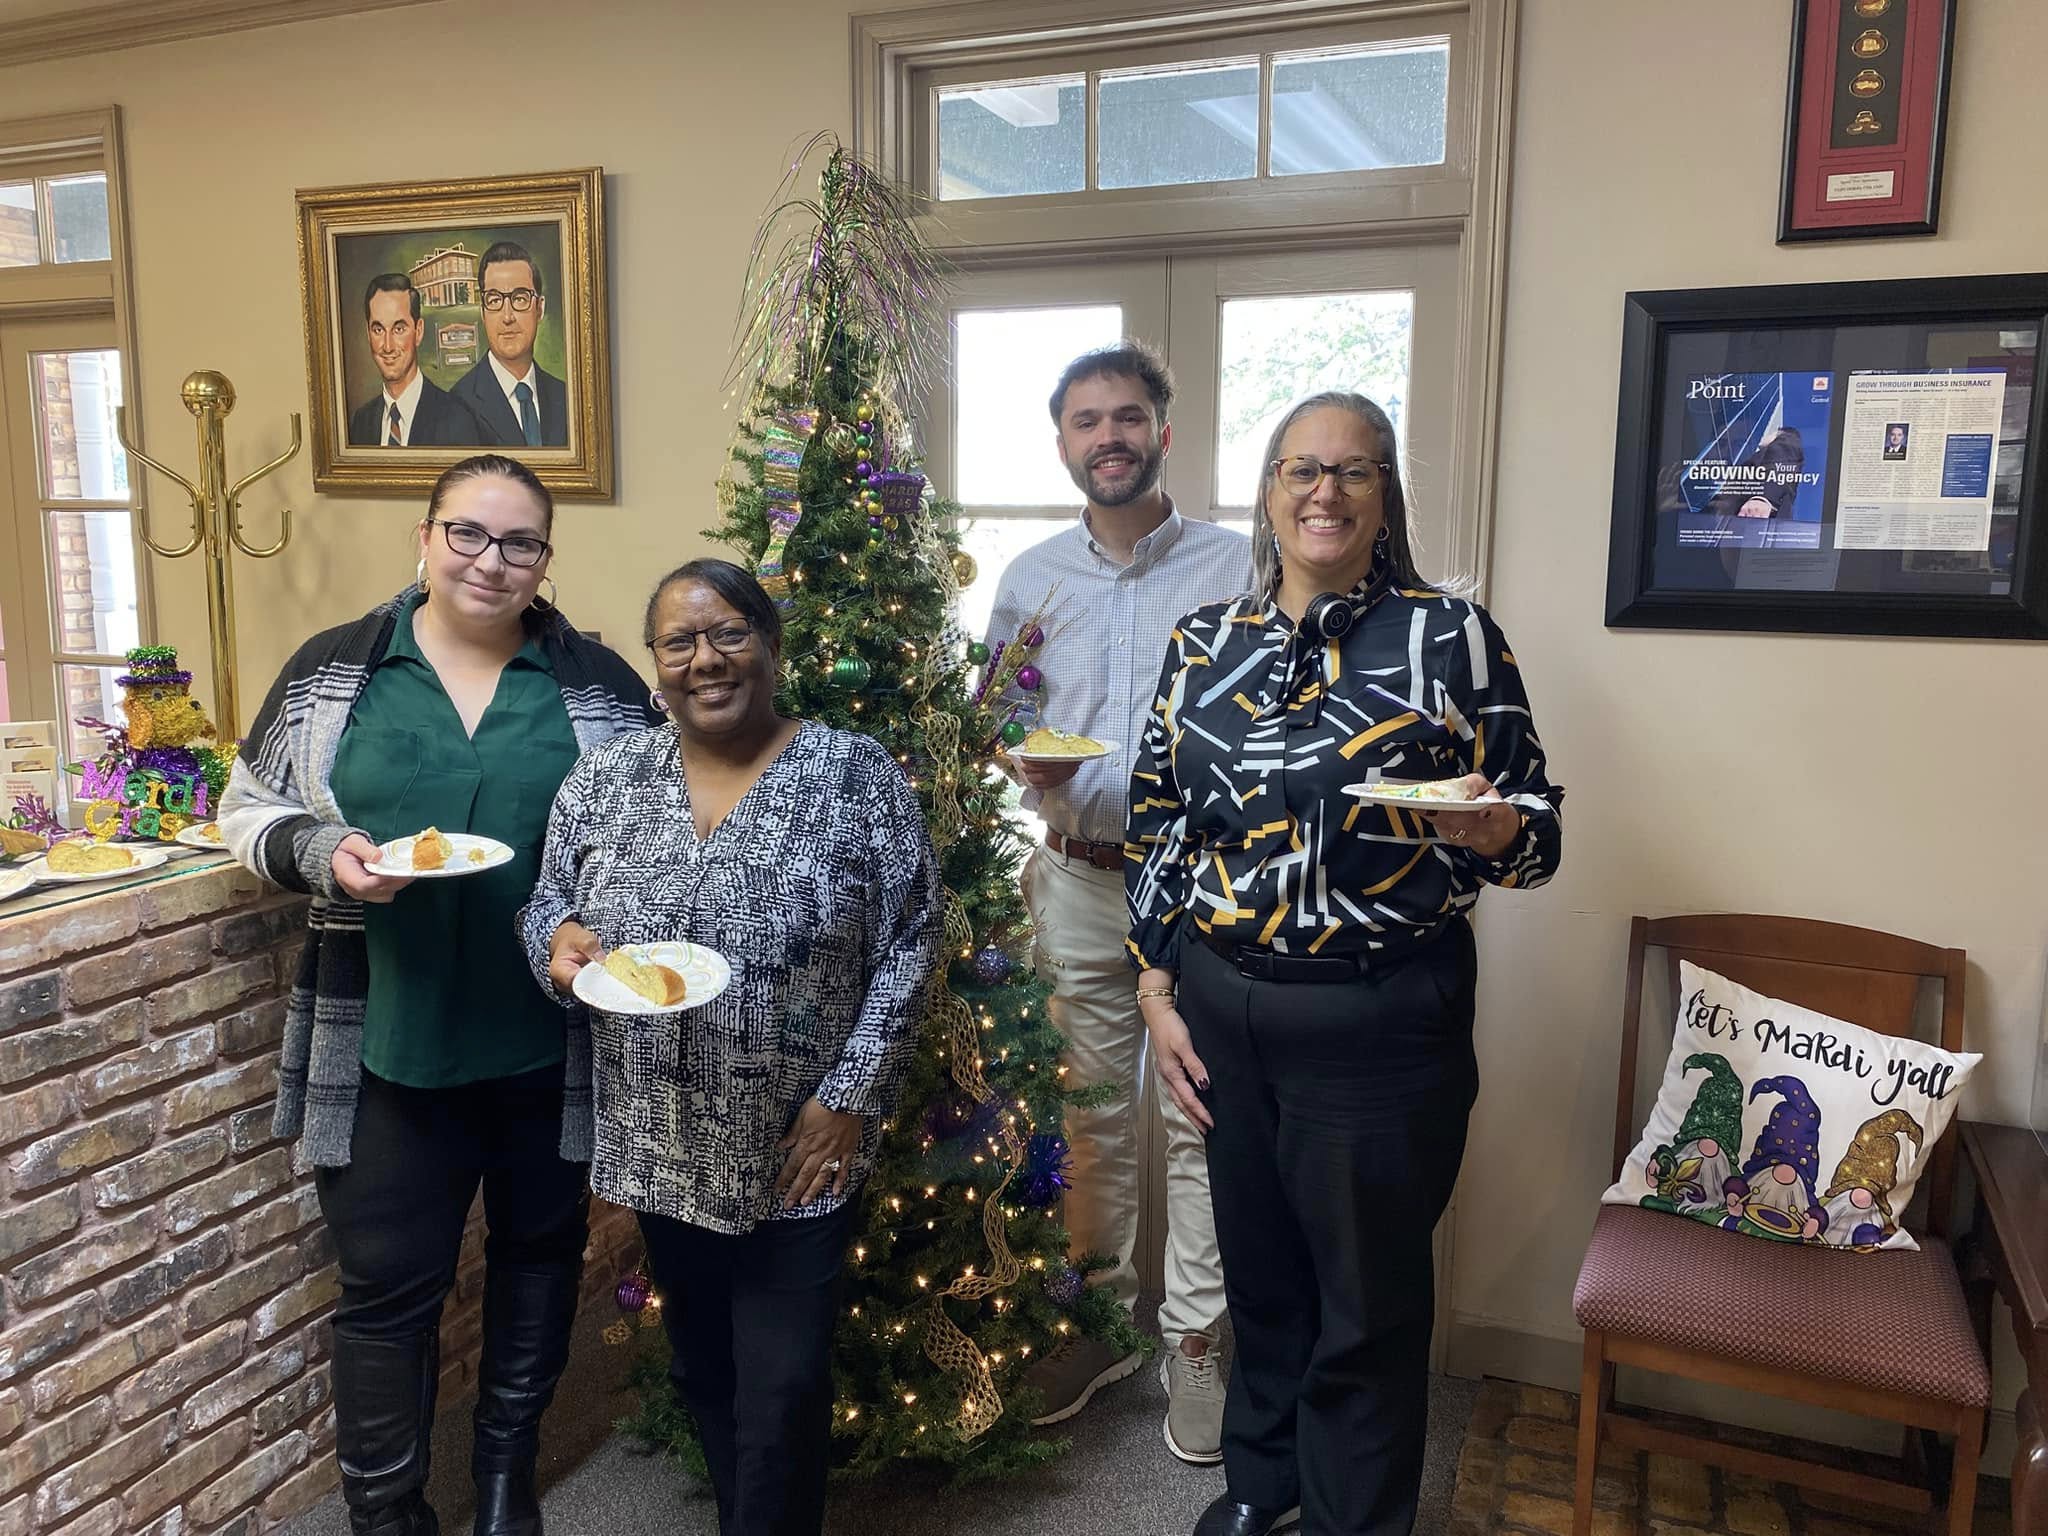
(1888,1335)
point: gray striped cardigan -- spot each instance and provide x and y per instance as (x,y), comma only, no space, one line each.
(280,818)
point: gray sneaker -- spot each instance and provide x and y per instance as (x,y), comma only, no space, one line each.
(1194,1406)
(1073,1373)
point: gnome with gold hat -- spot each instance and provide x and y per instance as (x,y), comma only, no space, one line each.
(1859,1196)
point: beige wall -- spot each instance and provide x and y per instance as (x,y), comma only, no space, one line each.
(1706,771)
(1720,772)
(688,107)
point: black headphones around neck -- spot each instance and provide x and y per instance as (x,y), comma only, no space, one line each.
(1329,616)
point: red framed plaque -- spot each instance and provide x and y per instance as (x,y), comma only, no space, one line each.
(1865,114)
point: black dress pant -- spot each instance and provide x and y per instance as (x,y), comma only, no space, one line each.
(398,1208)
(750,1320)
(1340,1113)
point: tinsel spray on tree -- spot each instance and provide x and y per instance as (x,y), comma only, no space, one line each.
(958,1279)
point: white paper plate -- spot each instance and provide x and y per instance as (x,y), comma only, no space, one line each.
(14,881)
(1380,793)
(144,858)
(195,837)
(1061,757)
(704,971)
(397,859)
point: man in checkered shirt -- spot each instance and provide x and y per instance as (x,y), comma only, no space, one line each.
(1113,586)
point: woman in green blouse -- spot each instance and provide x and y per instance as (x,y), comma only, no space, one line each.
(419,1060)
(1306,961)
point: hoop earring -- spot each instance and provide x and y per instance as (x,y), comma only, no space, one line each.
(1381,536)
(658,702)
(549,603)
(419,575)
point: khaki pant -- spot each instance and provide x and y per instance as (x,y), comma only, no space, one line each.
(1081,923)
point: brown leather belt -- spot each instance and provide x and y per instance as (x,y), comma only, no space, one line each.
(1101,855)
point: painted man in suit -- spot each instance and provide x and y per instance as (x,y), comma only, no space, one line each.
(517,401)
(411,411)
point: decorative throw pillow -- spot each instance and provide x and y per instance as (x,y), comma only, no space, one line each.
(1784,1123)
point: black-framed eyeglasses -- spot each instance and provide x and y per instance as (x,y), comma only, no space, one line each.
(728,639)
(1299,475)
(520,549)
(521,299)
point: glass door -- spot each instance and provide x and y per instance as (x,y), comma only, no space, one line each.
(990,439)
(1245,336)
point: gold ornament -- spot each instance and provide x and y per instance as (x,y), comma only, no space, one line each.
(964,568)
(1865,121)
(842,439)
(1872,7)
(1870,44)
(1867,83)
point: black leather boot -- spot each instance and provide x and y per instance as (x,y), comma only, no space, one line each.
(383,1424)
(528,1312)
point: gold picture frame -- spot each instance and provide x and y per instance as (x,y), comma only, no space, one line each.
(447,318)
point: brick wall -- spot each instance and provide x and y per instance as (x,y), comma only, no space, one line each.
(165,1280)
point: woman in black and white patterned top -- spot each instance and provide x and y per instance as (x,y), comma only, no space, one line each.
(742,1130)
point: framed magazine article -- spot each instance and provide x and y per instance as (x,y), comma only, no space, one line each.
(1865,115)
(1846,458)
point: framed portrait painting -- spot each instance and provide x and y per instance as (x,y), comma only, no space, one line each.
(450,318)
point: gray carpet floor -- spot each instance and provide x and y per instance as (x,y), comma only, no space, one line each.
(1118,1478)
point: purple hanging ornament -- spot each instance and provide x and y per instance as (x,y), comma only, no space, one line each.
(1063,1286)
(632,1292)
(1029,678)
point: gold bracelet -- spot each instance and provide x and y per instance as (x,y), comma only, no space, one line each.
(1144,992)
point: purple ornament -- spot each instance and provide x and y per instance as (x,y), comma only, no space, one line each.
(632,1292)
(864,469)
(1029,677)
(1035,636)
(1063,1286)
(992,965)
(1044,1173)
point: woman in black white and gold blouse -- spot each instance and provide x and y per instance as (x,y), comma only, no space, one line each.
(1306,964)
(741,1131)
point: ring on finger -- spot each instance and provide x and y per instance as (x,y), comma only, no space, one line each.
(832,1165)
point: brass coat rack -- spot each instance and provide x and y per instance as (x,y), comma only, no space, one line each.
(216,522)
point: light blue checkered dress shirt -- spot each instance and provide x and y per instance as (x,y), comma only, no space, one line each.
(1106,630)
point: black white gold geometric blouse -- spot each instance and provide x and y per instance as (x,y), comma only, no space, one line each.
(1238,820)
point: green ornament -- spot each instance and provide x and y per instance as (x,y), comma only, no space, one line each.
(865,440)
(1013,734)
(851,672)
(977,654)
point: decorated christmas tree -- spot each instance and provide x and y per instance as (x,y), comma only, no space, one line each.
(958,1280)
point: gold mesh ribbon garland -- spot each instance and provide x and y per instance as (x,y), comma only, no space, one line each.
(945,1345)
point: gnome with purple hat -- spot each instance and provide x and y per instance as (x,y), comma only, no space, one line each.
(1774,1195)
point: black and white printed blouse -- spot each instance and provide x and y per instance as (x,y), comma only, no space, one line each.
(1238,819)
(820,888)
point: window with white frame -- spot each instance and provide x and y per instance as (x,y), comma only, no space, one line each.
(1255,117)
(72,596)
(1281,197)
